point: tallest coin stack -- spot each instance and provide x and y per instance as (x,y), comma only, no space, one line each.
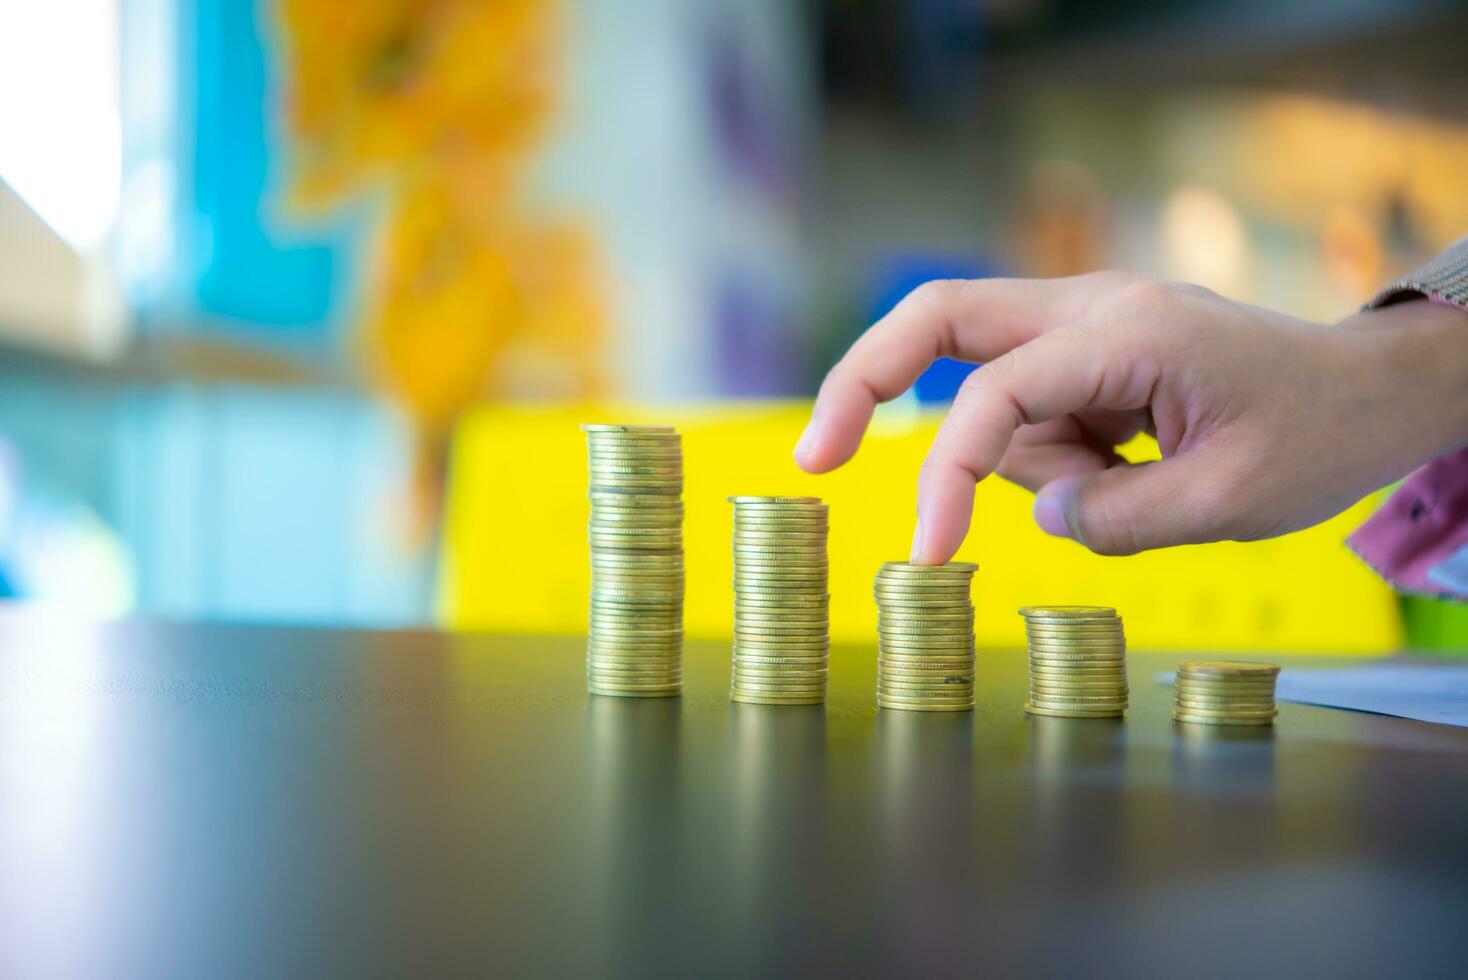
(635,642)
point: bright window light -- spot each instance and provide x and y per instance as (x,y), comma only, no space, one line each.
(60,135)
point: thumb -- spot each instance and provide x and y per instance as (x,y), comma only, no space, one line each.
(1137,506)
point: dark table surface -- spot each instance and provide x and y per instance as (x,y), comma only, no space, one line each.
(196,801)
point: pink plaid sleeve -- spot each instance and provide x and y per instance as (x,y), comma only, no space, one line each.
(1418,541)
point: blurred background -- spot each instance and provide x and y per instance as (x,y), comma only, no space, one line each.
(301,299)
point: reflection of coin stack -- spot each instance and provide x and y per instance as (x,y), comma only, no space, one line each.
(1077,661)
(1223,692)
(781,620)
(925,636)
(635,642)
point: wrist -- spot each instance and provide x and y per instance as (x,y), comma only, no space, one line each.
(1419,350)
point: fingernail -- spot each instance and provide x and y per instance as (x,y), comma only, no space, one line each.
(917,542)
(1050,505)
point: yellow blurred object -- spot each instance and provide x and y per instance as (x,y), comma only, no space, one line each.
(515,554)
(437,107)
(380,87)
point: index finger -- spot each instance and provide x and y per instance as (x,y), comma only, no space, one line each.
(973,320)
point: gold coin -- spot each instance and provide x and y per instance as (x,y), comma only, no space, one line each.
(921,702)
(796,603)
(612,559)
(618,500)
(1222,696)
(787,646)
(1233,710)
(930,629)
(627,428)
(795,673)
(901,596)
(900,705)
(665,450)
(887,639)
(1075,664)
(899,590)
(755,660)
(1076,651)
(1053,700)
(1062,622)
(775,597)
(765,633)
(804,539)
(602,692)
(647,659)
(936,616)
(1228,668)
(796,696)
(928,685)
(952,695)
(1080,689)
(905,581)
(1036,709)
(627,678)
(958,567)
(1078,632)
(779,685)
(1205,712)
(756,699)
(1068,612)
(1189,718)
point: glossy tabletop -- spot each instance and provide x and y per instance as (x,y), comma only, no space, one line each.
(182,801)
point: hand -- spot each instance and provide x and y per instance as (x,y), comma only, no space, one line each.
(1267,424)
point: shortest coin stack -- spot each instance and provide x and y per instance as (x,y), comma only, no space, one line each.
(1077,661)
(1224,692)
(925,636)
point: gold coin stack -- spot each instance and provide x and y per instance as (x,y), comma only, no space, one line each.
(1077,661)
(925,636)
(635,642)
(1223,692)
(781,606)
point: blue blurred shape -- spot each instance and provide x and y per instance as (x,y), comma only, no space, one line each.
(205,243)
(251,268)
(898,274)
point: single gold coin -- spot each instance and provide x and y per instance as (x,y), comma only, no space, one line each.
(746,698)
(1228,668)
(1210,712)
(1076,632)
(961,567)
(1036,709)
(935,665)
(1068,612)
(625,427)
(1194,719)
(899,644)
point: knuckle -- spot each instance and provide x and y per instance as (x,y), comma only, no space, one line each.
(1103,526)
(1114,280)
(995,373)
(939,461)
(1145,296)
(936,293)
